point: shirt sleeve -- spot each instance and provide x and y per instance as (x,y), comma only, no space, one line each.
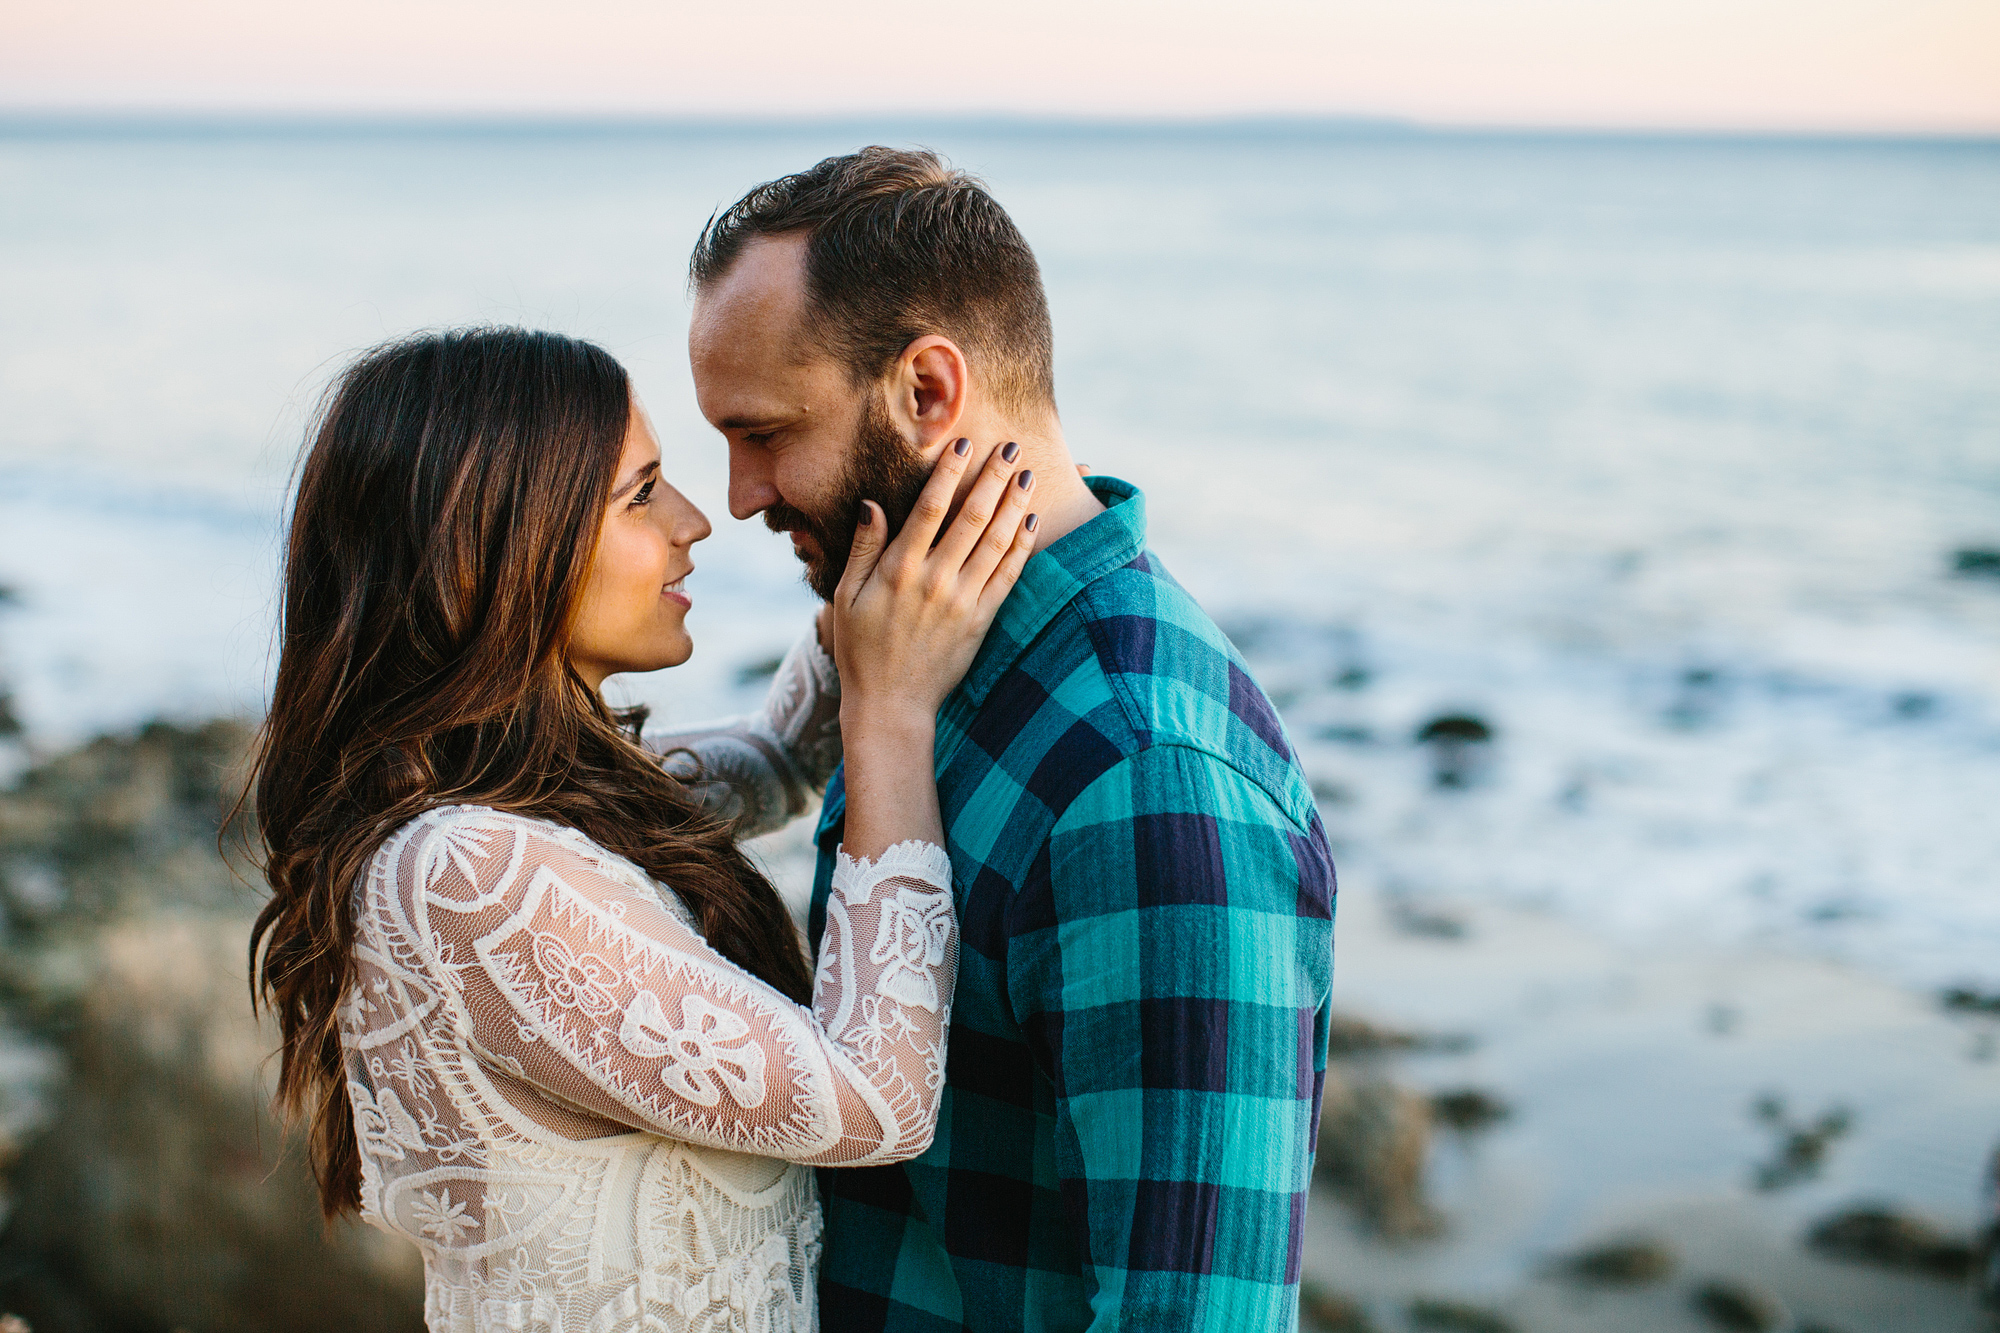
(1173,987)
(579,978)
(762,770)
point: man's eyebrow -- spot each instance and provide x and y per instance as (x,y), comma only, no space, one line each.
(632,481)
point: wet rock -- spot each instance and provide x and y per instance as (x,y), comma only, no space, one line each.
(1801,1147)
(1627,1263)
(1374,1138)
(1976,562)
(1350,1036)
(1468,1110)
(762,669)
(1324,1310)
(1697,699)
(1328,792)
(1413,918)
(1888,1239)
(162,1195)
(1459,744)
(1966,1000)
(1913,705)
(1457,1317)
(1738,1306)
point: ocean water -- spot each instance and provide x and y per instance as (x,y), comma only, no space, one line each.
(1650,454)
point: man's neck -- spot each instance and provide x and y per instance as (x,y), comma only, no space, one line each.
(1062,500)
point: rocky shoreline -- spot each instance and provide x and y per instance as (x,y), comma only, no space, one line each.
(1485,1163)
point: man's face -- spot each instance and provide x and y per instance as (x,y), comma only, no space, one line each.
(806,446)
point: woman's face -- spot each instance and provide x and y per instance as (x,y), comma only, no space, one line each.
(634,612)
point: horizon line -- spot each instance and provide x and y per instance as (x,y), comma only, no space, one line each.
(167,120)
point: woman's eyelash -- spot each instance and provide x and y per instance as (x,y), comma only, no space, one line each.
(644,493)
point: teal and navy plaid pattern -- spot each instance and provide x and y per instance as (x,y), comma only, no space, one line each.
(1145,901)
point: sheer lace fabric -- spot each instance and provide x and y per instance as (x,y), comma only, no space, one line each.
(759,771)
(588,1119)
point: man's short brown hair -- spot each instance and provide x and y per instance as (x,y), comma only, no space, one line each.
(900,244)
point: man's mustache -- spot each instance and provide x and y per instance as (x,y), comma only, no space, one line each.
(781,517)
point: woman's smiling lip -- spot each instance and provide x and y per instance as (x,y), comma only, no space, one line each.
(677,591)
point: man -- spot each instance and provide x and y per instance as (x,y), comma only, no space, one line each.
(1144,890)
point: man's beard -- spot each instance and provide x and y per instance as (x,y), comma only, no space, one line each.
(881,467)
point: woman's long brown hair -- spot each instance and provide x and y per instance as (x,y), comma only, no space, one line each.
(446,519)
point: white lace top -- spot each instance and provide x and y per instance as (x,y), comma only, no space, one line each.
(585,1117)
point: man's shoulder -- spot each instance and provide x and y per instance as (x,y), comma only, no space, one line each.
(1169,677)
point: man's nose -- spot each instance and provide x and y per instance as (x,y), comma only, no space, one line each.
(751,490)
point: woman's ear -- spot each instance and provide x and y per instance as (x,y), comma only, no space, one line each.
(930,389)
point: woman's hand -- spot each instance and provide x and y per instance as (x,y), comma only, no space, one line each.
(908,618)
(906,622)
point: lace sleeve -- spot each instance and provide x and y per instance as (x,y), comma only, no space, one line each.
(759,771)
(577,976)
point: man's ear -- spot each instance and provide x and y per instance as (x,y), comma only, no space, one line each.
(929,390)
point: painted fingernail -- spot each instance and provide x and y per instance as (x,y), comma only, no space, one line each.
(867,516)
(1010,451)
(1034,521)
(962,447)
(1026,479)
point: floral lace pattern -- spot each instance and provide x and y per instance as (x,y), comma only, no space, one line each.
(585,1117)
(757,772)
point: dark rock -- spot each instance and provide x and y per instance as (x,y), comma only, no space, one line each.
(1976,562)
(1328,1311)
(1374,1137)
(1966,1000)
(1801,1147)
(1622,1264)
(1454,727)
(162,1194)
(1887,1239)
(1427,923)
(1738,1306)
(1328,792)
(1697,699)
(1913,705)
(1348,1036)
(1458,743)
(762,669)
(1986,1259)
(1468,1110)
(1457,1317)
(10,721)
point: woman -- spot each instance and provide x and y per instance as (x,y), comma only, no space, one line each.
(545,1018)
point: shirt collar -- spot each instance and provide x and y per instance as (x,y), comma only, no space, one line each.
(1052,579)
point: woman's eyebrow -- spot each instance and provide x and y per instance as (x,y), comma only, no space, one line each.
(637,477)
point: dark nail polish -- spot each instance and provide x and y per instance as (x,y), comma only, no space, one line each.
(962,448)
(1034,521)
(1010,451)
(867,517)
(1026,479)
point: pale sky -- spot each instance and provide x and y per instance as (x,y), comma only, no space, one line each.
(1890,65)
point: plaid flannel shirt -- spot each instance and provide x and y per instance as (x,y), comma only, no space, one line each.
(1139,1039)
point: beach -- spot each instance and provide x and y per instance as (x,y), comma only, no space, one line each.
(1614,519)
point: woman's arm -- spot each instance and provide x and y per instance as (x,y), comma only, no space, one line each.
(760,771)
(578,978)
